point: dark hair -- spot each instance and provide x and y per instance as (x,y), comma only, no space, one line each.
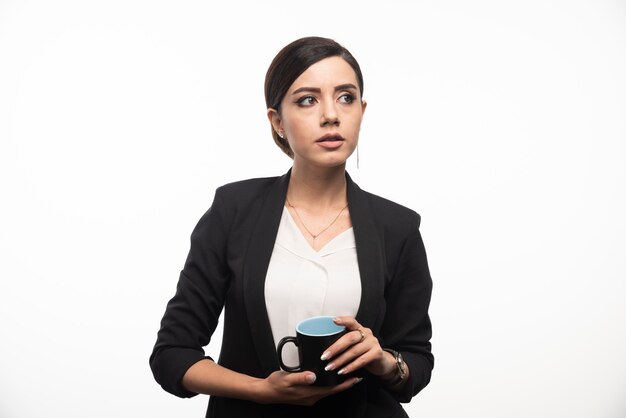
(293,60)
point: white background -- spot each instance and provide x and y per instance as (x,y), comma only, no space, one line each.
(502,122)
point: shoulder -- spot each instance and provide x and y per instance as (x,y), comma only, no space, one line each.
(245,190)
(248,185)
(382,204)
(389,213)
(235,201)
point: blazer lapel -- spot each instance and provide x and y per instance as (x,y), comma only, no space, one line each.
(259,252)
(369,256)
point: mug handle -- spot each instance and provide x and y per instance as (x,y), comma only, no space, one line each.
(279,351)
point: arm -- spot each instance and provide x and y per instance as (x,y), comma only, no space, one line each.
(280,387)
(407,326)
(192,314)
(178,361)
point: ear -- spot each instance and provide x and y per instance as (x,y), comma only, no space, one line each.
(363,106)
(275,119)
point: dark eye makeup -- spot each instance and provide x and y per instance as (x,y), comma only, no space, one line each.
(306,101)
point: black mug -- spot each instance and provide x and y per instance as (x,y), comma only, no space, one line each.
(313,337)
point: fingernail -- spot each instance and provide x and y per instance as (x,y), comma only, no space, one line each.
(325,356)
(358,379)
(342,371)
(310,378)
(337,320)
(329,367)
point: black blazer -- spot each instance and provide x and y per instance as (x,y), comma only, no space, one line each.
(230,252)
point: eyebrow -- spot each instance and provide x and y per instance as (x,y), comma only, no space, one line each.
(346,86)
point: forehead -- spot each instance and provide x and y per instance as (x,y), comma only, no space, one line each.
(329,72)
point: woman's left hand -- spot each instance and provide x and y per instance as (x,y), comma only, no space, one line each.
(357,349)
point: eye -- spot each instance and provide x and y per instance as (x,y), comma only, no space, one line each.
(346,98)
(306,101)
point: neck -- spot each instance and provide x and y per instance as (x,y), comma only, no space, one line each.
(318,187)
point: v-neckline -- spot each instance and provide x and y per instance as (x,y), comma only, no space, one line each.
(326,248)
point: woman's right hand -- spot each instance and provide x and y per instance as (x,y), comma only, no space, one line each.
(296,388)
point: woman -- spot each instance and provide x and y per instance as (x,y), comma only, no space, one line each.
(274,251)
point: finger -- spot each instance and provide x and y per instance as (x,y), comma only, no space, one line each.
(346,385)
(361,336)
(299,379)
(347,321)
(352,325)
(351,338)
(354,365)
(359,355)
(347,356)
(317,393)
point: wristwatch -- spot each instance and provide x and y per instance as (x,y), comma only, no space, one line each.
(400,371)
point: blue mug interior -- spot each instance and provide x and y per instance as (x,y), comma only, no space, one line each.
(319,326)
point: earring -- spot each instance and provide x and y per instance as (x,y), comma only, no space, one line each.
(281,134)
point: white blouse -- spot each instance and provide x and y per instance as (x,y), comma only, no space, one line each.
(302,282)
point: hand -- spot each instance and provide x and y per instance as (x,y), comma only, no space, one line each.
(358,348)
(296,389)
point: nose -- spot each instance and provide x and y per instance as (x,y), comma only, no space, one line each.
(329,115)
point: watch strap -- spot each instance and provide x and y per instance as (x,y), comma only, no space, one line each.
(399,372)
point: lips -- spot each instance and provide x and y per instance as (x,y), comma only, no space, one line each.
(331,138)
(331,141)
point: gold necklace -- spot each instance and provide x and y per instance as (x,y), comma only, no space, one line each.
(307,229)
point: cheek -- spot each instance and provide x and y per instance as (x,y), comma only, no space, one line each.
(298,125)
(355,123)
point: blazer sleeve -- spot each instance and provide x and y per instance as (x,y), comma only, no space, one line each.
(192,314)
(407,326)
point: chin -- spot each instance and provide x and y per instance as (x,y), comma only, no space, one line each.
(327,160)
(334,162)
